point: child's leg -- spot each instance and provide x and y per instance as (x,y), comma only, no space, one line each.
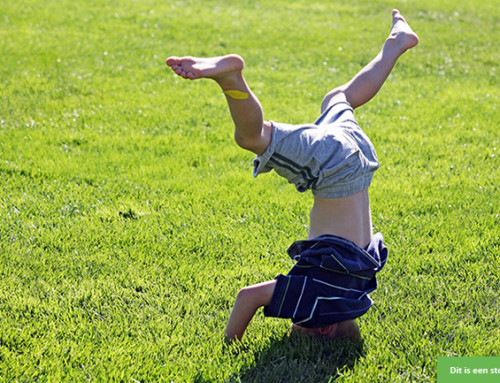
(251,132)
(365,85)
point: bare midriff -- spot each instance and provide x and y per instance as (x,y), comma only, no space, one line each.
(348,217)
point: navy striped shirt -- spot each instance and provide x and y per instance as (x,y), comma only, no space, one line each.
(329,283)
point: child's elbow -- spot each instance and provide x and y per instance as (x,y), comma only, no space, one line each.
(257,295)
(245,294)
(249,297)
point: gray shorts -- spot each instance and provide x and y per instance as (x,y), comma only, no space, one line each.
(333,157)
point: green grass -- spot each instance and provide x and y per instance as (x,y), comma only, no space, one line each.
(129,219)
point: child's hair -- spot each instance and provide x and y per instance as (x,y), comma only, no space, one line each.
(347,329)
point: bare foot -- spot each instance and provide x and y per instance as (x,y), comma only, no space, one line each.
(401,32)
(220,69)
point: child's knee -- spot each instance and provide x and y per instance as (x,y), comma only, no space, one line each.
(332,97)
(244,142)
(256,142)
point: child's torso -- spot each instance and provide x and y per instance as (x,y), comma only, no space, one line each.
(347,217)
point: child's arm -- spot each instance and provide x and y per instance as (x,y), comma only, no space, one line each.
(249,299)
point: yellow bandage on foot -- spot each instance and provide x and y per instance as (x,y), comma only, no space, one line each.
(236,94)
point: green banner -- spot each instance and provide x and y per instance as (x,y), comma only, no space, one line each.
(476,369)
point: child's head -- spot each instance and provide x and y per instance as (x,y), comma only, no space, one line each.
(347,329)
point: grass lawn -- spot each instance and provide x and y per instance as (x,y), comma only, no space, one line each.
(129,219)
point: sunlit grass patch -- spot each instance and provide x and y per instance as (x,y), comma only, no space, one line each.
(129,219)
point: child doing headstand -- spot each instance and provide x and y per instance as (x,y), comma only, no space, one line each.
(335,271)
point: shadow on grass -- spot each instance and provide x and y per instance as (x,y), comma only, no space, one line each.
(301,359)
